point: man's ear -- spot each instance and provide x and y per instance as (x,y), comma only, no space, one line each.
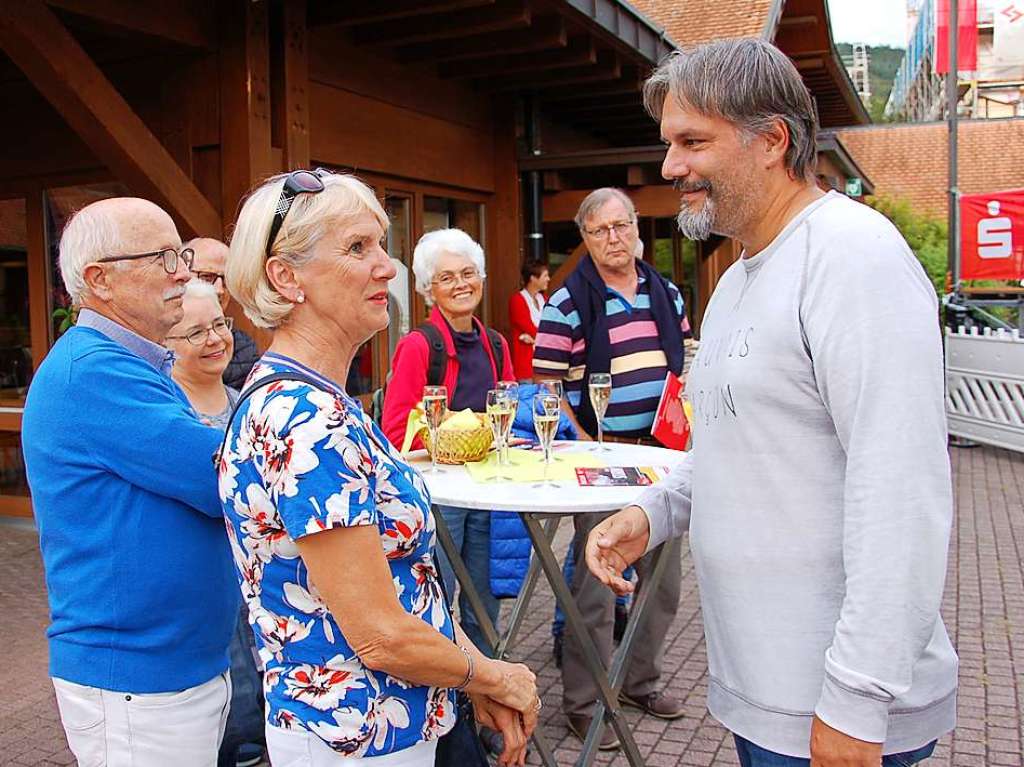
(283,278)
(776,141)
(97,280)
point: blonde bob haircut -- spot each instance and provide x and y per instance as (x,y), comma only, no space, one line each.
(343,199)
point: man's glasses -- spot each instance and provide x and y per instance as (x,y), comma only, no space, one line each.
(169,256)
(210,278)
(222,327)
(298,182)
(604,232)
(448,280)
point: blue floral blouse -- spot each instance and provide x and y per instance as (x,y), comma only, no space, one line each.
(299,460)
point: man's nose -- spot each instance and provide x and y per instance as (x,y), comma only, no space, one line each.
(674,165)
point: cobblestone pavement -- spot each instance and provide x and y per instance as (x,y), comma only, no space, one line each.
(983,608)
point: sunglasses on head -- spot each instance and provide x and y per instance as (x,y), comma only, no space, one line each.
(298,182)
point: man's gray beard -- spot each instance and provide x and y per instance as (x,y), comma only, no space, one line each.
(696,226)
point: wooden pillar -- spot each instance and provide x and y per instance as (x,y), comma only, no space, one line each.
(245,102)
(296,85)
(504,230)
(37,257)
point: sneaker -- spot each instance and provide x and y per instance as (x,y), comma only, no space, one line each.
(579,725)
(659,704)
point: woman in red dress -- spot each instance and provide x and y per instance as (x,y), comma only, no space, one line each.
(524,315)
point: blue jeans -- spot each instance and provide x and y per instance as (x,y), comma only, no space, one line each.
(752,755)
(471,532)
(245,719)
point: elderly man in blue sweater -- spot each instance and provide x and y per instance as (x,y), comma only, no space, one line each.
(142,592)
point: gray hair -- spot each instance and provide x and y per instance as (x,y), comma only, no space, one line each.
(432,245)
(748,82)
(596,199)
(89,235)
(196,288)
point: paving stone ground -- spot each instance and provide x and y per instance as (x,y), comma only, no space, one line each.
(983,609)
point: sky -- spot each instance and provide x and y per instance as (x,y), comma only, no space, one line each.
(876,22)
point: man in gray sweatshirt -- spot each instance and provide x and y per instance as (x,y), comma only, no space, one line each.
(817,494)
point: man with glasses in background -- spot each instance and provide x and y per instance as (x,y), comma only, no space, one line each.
(615,314)
(142,590)
(210,261)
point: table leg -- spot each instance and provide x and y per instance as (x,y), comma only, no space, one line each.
(526,592)
(595,665)
(444,537)
(621,658)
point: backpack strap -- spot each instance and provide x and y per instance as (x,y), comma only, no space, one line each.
(438,361)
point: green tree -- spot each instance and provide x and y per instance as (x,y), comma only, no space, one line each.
(926,235)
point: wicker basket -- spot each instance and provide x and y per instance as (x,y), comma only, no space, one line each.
(458,446)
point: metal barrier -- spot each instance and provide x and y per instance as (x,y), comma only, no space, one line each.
(985,386)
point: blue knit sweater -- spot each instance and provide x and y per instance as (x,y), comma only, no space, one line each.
(142,591)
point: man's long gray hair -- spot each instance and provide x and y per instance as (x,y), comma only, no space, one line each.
(747,82)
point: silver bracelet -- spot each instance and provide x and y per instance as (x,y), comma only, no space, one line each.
(469,670)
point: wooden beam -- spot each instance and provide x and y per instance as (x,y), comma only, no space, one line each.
(629,83)
(562,272)
(655,201)
(39,259)
(180,21)
(504,15)
(545,33)
(296,85)
(504,230)
(596,104)
(593,158)
(579,51)
(246,155)
(606,68)
(34,38)
(351,12)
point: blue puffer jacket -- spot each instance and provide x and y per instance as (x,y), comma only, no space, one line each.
(510,543)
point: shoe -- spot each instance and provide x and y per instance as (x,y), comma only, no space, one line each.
(494,742)
(579,725)
(249,755)
(659,704)
(556,650)
(621,616)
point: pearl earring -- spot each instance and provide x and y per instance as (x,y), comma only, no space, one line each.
(301,298)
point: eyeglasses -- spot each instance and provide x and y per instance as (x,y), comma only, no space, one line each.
(169,256)
(222,327)
(449,280)
(604,232)
(298,182)
(210,278)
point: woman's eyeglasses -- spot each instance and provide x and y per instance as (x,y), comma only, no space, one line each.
(298,182)
(222,327)
(169,257)
(447,280)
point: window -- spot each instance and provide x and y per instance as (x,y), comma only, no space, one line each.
(15,332)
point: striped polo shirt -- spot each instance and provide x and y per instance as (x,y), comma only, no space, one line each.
(639,365)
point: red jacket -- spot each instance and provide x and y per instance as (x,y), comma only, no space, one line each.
(521,321)
(409,375)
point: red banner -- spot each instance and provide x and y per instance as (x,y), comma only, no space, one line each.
(967,36)
(992,236)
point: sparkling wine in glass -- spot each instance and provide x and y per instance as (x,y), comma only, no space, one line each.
(554,387)
(511,388)
(500,414)
(435,405)
(546,411)
(600,388)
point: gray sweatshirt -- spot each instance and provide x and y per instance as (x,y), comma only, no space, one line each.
(820,489)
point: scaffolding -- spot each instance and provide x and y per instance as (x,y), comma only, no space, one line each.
(917,94)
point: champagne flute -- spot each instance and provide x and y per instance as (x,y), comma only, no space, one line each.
(554,387)
(511,388)
(600,389)
(435,405)
(500,413)
(546,411)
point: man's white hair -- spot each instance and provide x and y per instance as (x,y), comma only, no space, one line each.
(89,235)
(196,288)
(432,245)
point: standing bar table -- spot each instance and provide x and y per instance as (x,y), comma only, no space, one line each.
(453,486)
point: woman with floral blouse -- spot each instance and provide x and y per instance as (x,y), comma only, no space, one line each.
(331,530)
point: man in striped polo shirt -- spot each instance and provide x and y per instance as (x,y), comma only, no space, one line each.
(615,315)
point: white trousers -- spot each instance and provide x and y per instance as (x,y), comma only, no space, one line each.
(300,748)
(118,729)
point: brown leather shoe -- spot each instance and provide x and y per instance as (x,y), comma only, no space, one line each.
(659,704)
(579,724)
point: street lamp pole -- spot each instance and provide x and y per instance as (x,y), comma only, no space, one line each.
(952,98)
